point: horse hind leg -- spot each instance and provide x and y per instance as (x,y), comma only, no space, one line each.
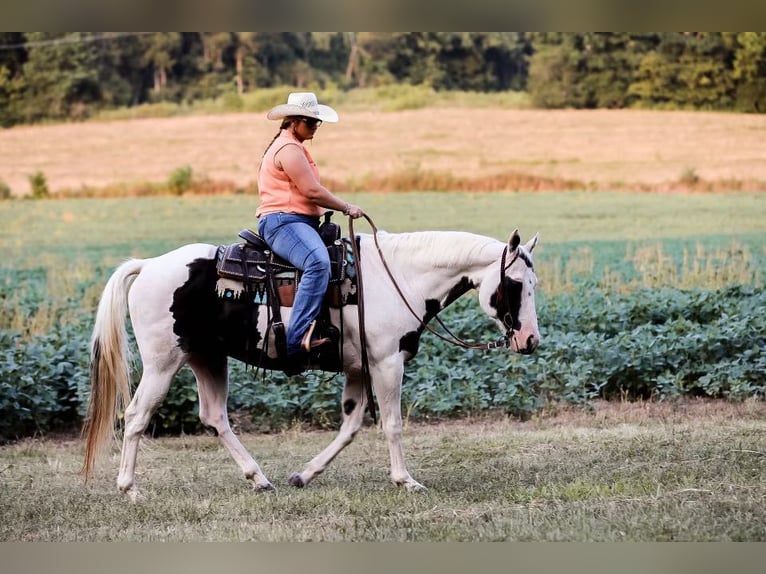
(213,386)
(354,402)
(151,391)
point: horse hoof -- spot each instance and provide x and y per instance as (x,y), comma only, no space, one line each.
(296,480)
(263,487)
(411,485)
(134,495)
(416,487)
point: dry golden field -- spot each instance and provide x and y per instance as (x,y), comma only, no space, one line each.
(600,149)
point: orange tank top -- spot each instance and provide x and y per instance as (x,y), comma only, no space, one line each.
(277,191)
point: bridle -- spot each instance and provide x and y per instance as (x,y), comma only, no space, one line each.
(508,316)
(503,297)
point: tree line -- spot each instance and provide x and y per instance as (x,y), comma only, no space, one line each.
(70,76)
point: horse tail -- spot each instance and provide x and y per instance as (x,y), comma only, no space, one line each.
(109,362)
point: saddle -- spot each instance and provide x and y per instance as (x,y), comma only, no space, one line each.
(250,270)
(251,266)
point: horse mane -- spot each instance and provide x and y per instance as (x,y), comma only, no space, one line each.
(450,249)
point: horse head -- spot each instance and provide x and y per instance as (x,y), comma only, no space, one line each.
(507,294)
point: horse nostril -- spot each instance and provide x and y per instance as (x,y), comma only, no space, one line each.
(532,342)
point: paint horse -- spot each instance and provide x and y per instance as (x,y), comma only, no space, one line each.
(410,278)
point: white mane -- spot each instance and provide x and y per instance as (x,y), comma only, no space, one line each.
(446,249)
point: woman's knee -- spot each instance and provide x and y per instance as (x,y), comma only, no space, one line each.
(318,261)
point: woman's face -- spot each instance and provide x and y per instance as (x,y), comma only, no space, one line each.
(305,128)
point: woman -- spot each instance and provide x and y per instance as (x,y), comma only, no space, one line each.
(292,201)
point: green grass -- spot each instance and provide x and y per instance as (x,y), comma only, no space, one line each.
(147,226)
(666,474)
(613,240)
(390,98)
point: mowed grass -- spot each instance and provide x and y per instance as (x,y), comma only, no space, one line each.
(643,472)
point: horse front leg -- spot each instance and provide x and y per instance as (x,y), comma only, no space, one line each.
(213,386)
(354,402)
(387,382)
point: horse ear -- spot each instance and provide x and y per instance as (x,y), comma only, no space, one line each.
(514,240)
(532,242)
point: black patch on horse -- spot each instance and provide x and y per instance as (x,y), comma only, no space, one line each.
(214,327)
(463,287)
(210,326)
(507,302)
(410,341)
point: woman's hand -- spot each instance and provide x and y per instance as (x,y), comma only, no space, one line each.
(353,211)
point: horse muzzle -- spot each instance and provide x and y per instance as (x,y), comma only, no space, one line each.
(525,346)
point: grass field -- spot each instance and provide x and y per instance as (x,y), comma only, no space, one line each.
(646,472)
(623,472)
(146,226)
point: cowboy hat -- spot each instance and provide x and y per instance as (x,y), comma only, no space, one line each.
(303,104)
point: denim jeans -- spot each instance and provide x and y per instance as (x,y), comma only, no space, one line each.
(296,239)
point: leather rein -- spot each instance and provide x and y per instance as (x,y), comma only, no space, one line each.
(503,297)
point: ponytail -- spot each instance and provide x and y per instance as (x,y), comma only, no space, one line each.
(284,125)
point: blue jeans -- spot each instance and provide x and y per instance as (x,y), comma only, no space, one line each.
(296,239)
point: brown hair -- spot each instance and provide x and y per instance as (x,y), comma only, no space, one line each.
(284,125)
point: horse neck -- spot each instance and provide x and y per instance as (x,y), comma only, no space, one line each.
(440,265)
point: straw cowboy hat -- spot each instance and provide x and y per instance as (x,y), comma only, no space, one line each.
(303,104)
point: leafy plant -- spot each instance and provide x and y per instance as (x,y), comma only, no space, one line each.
(659,342)
(39,185)
(180,179)
(5,190)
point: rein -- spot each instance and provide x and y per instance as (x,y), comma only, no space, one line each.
(453,339)
(366,377)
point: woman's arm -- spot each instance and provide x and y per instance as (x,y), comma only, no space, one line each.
(294,163)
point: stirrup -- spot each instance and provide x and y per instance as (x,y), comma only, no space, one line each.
(310,342)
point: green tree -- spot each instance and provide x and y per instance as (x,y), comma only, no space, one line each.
(281,58)
(216,64)
(161,51)
(474,61)
(11,77)
(555,71)
(246,43)
(506,56)
(608,63)
(686,70)
(61,78)
(371,66)
(750,71)
(122,75)
(442,60)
